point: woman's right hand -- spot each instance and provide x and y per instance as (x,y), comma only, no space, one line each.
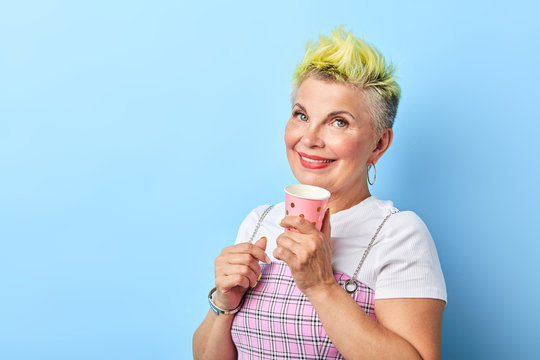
(237,268)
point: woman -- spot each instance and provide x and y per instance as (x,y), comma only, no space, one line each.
(369,284)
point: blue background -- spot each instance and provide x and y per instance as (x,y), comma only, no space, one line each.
(136,135)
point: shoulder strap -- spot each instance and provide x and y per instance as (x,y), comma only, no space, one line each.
(351,285)
(263,215)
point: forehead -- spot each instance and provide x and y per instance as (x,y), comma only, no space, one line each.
(328,96)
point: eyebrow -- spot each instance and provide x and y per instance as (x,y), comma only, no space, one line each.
(333,113)
(300,106)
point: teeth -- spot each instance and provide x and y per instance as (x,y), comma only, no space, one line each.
(315,161)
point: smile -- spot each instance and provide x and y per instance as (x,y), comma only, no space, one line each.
(314,162)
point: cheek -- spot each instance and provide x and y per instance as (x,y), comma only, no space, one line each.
(291,136)
(350,148)
(344,148)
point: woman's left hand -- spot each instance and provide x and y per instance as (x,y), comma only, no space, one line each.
(307,251)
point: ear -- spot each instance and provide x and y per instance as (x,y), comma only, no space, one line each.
(383,143)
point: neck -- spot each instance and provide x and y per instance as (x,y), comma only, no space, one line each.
(343,201)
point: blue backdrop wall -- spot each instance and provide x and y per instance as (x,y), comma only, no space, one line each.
(136,135)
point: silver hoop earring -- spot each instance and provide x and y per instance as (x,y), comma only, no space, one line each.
(374,174)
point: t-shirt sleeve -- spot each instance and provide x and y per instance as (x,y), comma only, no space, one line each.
(408,264)
(248,225)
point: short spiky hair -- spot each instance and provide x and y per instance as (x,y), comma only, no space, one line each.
(344,58)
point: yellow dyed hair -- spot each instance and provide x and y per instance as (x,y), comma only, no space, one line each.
(344,58)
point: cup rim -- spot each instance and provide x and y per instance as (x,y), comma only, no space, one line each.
(318,193)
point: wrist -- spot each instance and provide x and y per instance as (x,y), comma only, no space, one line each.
(322,292)
(225,301)
(218,308)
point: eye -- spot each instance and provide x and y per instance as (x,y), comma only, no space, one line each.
(301,116)
(340,123)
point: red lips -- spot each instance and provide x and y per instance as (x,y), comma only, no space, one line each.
(319,162)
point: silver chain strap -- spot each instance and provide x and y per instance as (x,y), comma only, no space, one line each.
(263,215)
(351,285)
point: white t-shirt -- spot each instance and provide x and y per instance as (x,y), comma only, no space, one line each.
(403,262)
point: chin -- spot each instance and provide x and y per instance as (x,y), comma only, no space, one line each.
(312,179)
(307,177)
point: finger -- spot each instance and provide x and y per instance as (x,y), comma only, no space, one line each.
(243,270)
(289,243)
(301,251)
(242,259)
(298,223)
(284,254)
(248,248)
(261,242)
(226,283)
(326,228)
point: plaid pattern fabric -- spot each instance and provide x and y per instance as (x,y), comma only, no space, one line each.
(277,321)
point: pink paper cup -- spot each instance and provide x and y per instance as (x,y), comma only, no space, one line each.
(307,201)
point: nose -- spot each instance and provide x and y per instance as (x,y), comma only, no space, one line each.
(312,136)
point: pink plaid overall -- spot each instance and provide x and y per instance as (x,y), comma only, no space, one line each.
(277,321)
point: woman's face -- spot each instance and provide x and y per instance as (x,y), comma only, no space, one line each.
(330,138)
